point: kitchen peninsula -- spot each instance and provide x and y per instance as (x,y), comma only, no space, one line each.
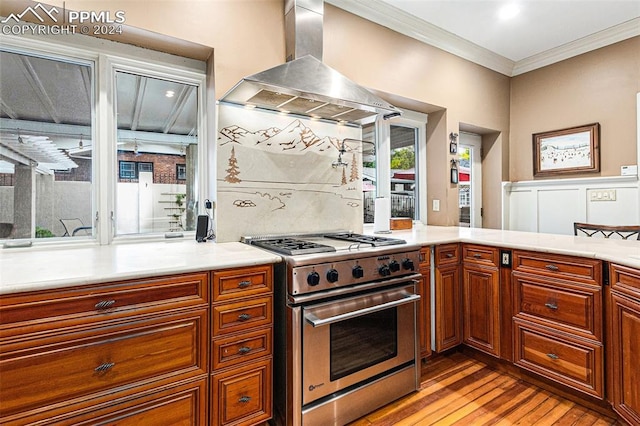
(190,325)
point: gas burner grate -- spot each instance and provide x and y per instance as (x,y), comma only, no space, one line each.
(365,239)
(292,246)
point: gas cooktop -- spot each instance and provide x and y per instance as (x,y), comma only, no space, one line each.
(308,244)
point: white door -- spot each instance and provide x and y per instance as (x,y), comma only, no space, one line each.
(470,180)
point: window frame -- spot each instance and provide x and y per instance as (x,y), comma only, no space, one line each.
(410,119)
(106,58)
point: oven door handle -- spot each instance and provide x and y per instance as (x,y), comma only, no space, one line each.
(318,322)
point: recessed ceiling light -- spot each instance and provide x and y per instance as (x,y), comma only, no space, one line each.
(169,93)
(508,11)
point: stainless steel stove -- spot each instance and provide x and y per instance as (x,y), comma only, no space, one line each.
(345,325)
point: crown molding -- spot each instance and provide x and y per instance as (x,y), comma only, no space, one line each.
(586,44)
(404,23)
(397,20)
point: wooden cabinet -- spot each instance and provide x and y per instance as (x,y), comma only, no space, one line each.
(242,336)
(448,297)
(88,354)
(623,359)
(558,321)
(481,298)
(424,309)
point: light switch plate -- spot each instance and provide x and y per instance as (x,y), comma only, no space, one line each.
(436,205)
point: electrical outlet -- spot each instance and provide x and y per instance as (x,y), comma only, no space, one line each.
(436,205)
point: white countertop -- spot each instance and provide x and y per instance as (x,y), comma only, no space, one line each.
(38,269)
(43,268)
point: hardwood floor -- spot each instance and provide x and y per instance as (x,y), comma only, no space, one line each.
(458,390)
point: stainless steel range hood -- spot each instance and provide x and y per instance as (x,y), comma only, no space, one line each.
(306,86)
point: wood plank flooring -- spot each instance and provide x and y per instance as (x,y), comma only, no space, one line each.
(458,390)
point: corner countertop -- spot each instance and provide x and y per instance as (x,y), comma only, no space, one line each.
(45,268)
(41,268)
(624,252)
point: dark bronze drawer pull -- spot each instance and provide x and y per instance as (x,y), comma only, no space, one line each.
(104,367)
(244,317)
(553,356)
(552,267)
(105,304)
(551,306)
(244,399)
(244,350)
(477,255)
(244,284)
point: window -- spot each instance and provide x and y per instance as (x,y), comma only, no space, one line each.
(46,139)
(128,170)
(397,167)
(149,123)
(181,171)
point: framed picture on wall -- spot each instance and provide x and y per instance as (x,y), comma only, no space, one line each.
(572,150)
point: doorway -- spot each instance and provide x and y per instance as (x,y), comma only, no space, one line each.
(470,180)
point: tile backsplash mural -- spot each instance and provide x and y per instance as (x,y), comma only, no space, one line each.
(275,175)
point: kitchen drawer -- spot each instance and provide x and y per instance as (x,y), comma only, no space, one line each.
(241,282)
(573,308)
(57,308)
(233,317)
(425,257)
(242,396)
(559,266)
(574,362)
(184,403)
(447,254)
(625,280)
(236,349)
(44,369)
(480,255)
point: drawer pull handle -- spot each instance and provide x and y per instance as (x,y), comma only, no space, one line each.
(477,255)
(105,304)
(552,306)
(552,267)
(244,350)
(244,284)
(449,255)
(104,367)
(553,356)
(244,399)
(244,317)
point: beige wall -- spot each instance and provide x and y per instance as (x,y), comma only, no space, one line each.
(427,79)
(599,86)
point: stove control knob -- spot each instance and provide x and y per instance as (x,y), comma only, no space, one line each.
(384,271)
(408,264)
(394,266)
(357,271)
(332,275)
(313,278)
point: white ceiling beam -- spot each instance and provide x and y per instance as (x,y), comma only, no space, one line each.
(7,109)
(141,87)
(178,107)
(13,157)
(42,128)
(41,92)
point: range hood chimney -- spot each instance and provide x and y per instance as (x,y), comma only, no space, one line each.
(305,85)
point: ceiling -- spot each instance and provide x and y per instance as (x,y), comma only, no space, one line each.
(541,33)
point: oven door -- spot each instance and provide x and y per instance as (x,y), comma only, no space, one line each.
(349,340)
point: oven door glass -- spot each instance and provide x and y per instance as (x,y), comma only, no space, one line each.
(350,340)
(363,341)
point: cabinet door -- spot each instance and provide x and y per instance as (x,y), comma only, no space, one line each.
(448,308)
(625,357)
(481,313)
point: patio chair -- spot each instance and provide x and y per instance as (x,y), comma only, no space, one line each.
(74,227)
(629,232)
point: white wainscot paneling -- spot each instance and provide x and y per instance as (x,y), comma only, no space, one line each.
(521,217)
(558,209)
(553,205)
